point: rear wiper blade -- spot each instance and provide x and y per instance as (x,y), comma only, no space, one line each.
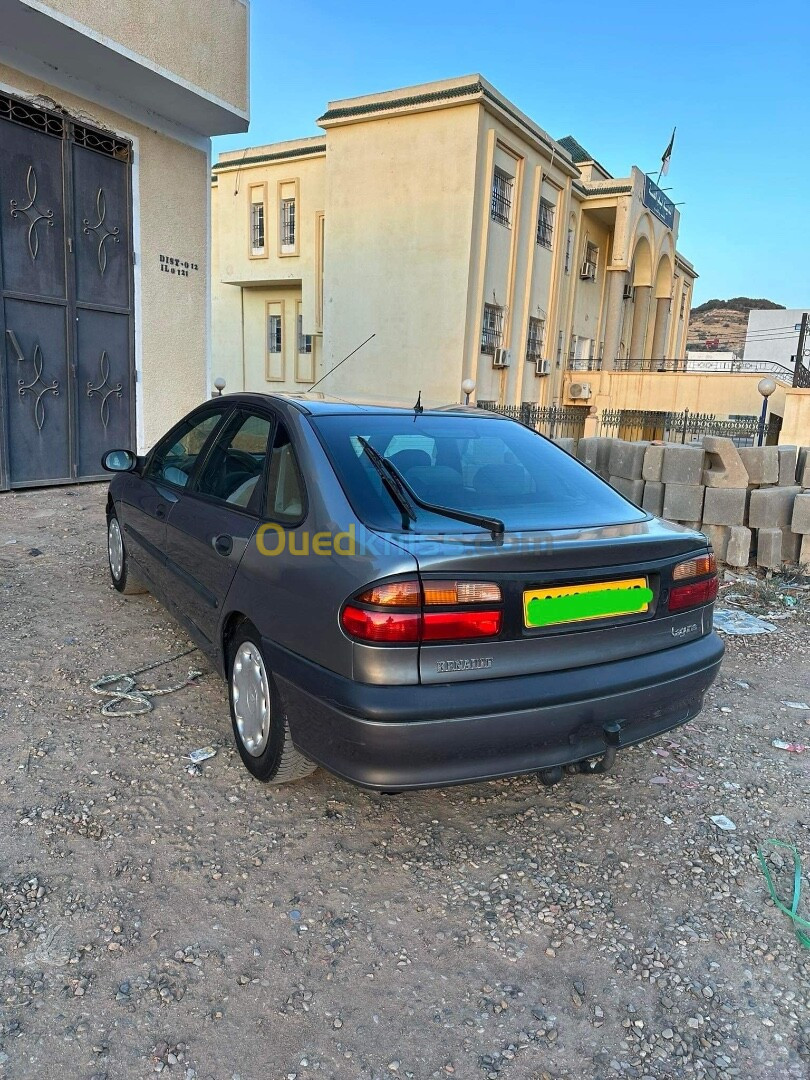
(407,494)
(394,484)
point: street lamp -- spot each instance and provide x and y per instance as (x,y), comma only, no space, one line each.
(766,387)
(467,388)
(219,386)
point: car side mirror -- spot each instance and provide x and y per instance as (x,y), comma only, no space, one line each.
(119,461)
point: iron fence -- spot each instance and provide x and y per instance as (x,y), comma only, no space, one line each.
(687,427)
(555,421)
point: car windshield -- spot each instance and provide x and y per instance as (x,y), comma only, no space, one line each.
(479,464)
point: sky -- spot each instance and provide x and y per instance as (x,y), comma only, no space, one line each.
(731,75)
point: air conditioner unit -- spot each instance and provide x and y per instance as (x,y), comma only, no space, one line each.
(501,358)
(579,391)
(588,270)
(628,291)
(542,367)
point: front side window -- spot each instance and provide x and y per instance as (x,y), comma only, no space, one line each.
(236,462)
(501,208)
(285,488)
(492,329)
(534,341)
(287,224)
(478,464)
(545,223)
(174,457)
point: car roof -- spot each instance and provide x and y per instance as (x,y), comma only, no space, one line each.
(325,406)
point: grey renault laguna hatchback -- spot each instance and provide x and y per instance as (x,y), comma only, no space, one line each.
(414,598)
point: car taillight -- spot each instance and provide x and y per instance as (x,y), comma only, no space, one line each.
(400,612)
(696,593)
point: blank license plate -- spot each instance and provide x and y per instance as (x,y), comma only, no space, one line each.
(580,603)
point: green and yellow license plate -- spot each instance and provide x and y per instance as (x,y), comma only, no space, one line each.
(580,603)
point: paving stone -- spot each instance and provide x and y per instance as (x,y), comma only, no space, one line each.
(627,458)
(653,462)
(653,499)
(725,506)
(791,545)
(788,463)
(772,507)
(683,502)
(594,451)
(683,465)
(724,466)
(738,551)
(631,489)
(800,520)
(718,537)
(769,548)
(803,467)
(761,463)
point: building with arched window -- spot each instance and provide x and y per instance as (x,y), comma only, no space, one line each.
(448,224)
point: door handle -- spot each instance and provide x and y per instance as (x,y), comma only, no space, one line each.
(223,544)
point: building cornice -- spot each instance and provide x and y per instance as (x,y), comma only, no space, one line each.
(476,91)
(260,159)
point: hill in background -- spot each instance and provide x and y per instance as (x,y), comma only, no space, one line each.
(719,325)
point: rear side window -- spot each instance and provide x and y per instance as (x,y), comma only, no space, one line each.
(479,464)
(285,489)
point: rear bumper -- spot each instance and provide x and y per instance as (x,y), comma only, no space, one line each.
(397,737)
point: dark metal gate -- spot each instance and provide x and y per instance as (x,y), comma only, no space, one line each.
(67,382)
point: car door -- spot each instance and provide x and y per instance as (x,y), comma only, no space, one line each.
(150,496)
(212,522)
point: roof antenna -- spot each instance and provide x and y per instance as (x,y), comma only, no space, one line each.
(417,409)
(343,361)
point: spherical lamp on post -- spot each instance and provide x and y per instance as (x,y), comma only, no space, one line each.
(467,388)
(219,386)
(766,387)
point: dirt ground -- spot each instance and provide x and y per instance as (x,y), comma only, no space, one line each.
(204,925)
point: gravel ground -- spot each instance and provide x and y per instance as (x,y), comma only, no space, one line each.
(200,924)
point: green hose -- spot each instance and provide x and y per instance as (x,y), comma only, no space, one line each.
(800,925)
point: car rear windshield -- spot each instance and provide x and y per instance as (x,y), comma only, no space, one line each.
(479,464)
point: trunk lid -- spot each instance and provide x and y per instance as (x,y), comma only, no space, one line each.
(528,562)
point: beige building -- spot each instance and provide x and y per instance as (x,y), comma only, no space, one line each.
(106,114)
(449,225)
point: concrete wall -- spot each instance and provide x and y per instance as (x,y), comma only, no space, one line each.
(204,45)
(796,418)
(171,182)
(773,336)
(719,394)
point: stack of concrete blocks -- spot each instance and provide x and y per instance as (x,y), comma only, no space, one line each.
(754,498)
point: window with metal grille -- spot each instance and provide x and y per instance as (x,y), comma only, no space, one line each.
(304,340)
(502,197)
(257,227)
(492,330)
(287,223)
(273,333)
(545,223)
(569,247)
(534,341)
(590,261)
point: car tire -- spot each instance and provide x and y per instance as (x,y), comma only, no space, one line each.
(124,579)
(260,725)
